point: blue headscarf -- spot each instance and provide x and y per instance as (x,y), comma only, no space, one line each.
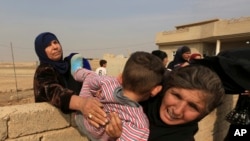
(41,42)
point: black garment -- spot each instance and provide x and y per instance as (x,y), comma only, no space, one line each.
(55,88)
(159,131)
(71,83)
(240,115)
(170,65)
(50,86)
(233,67)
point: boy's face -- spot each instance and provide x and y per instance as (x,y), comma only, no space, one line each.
(54,51)
(105,65)
(181,106)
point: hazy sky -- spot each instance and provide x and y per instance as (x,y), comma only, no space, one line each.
(96,27)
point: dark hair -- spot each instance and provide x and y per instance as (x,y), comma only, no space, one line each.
(142,72)
(196,77)
(160,54)
(184,49)
(102,62)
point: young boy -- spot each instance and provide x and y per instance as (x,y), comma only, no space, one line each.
(141,79)
(102,69)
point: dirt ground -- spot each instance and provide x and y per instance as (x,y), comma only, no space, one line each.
(16,83)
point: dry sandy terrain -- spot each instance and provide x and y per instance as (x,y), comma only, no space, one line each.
(16,85)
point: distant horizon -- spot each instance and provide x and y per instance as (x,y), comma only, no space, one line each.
(30,61)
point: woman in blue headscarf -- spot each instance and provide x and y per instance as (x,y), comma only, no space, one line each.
(51,81)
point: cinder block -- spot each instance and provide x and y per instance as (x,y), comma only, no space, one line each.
(68,134)
(34,137)
(4,117)
(3,130)
(35,118)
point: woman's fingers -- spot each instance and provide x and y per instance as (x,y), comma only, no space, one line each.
(95,124)
(92,109)
(98,118)
(114,127)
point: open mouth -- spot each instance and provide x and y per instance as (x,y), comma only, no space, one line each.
(171,115)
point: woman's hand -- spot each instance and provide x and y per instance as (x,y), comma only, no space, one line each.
(114,127)
(185,64)
(91,108)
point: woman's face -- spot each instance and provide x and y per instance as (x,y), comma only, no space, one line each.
(186,55)
(54,51)
(181,106)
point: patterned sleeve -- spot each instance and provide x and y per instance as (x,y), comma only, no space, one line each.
(49,86)
(91,82)
(132,133)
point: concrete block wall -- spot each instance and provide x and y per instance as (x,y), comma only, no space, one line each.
(37,122)
(43,122)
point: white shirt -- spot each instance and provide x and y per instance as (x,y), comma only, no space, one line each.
(101,71)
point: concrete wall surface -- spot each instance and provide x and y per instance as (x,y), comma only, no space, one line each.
(37,122)
(44,122)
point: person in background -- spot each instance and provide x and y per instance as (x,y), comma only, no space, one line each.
(102,69)
(194,56)
(141,79)
(51,81)
(162,55)
(181,58)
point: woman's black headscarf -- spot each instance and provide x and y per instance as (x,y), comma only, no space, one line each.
(41,42)
(233,67)
(178,59)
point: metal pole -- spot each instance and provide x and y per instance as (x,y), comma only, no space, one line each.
(14,67)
